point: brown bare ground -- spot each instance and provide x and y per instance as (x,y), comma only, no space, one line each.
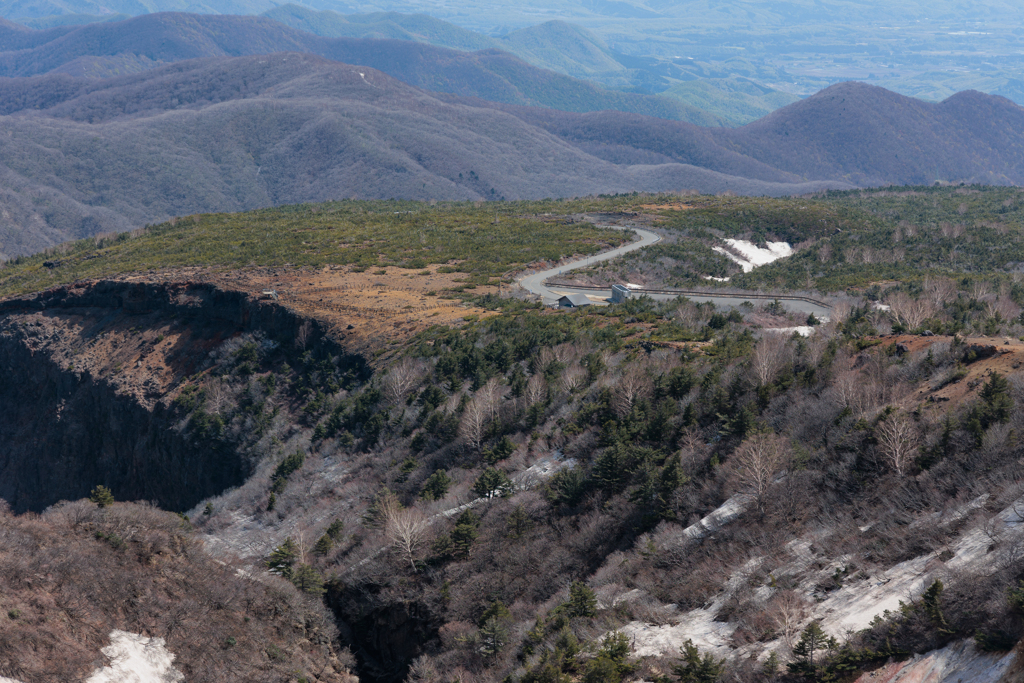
(369,311)
(1008,359)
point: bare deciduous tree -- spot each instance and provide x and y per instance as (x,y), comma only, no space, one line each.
(1000,307)
(405,528)
(633,385)
(216,396)
(760,459)
(770,355)
(490,396)
(401,378)
(897,439)
(908,311)
(303,335)
(940,291)
(573,378)
(474,422)
(825,252)
(787,610)
(536,390)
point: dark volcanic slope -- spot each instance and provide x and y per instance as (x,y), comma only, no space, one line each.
(115,48)
(85,156)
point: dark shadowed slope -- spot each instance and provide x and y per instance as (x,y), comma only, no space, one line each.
(116,48)
(873,136)
(234,133)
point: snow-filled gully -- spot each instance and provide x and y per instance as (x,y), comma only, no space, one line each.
(850,608)
(134,658)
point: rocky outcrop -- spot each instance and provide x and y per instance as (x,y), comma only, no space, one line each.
(88,374)
(956,663)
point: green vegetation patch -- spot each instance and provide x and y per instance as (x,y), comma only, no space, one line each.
(482,240)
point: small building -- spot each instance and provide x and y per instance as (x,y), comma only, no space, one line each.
(574,301)
(619,294)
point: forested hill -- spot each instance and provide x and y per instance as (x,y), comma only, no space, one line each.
(873,136)
(84,156)
(860,133)
(133,45)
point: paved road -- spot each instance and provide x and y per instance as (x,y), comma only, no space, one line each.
(535,282)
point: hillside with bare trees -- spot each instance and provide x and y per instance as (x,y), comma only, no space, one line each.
(645,491)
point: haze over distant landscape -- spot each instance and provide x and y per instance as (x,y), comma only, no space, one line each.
(105,134)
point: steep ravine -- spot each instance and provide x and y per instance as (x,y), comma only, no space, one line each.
(88,374)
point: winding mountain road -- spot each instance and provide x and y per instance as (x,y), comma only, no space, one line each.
(536,282)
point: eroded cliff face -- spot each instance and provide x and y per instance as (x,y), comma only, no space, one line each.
(958,662)
(88,377)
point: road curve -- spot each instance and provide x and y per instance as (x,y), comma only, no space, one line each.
(535,283)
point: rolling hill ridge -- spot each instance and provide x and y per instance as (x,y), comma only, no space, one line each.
(86,156)
(133,45)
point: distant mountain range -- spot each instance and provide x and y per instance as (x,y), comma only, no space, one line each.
(83,156)
(130,46)
(853,132)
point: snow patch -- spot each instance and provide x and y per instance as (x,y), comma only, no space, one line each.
(697,625)
(136,659)
(802,330)
(749,256)
(8,680)
(723,514)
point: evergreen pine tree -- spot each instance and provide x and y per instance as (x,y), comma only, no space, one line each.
(283,557)
(582,601)
(696,668)
(308,580)
(102,496)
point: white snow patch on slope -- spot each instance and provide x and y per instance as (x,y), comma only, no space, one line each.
(136,659)
(802,330)
(8,680)
(956,663)
(697,625)
(854,606)
(723,514)
(750,256)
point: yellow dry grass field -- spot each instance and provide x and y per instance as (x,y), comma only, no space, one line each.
(370,311)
